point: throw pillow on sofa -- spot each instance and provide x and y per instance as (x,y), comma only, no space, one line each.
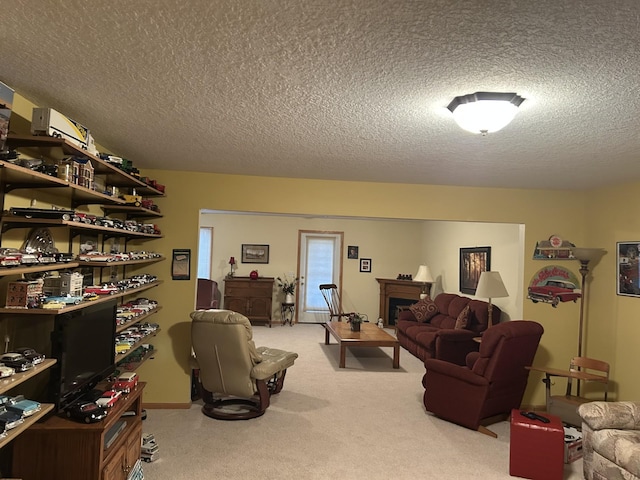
(424,310)
(463,318)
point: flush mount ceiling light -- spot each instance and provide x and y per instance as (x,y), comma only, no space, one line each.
(485,112)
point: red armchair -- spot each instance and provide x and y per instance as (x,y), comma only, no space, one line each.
(492,383)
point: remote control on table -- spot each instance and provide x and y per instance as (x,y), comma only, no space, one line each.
(535,416)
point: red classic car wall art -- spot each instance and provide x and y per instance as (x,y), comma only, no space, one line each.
(554,284)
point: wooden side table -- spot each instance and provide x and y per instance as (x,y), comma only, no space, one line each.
(287,311)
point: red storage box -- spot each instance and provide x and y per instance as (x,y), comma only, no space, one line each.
(536,450)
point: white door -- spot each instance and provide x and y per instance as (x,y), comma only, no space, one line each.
(320,260)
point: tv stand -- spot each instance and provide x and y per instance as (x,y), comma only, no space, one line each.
(67,450)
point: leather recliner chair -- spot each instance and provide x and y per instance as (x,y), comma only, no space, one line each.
(491,384)
(236,379)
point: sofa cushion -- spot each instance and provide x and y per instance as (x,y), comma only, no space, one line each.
(424,310)
(463,318)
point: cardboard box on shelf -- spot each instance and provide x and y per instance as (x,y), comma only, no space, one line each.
(572,444)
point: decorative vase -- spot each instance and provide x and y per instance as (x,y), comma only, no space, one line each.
(355,326)
(253,275)
(289,298)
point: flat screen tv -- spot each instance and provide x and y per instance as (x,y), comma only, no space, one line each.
(83,343)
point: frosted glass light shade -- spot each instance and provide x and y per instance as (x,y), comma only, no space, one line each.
(485,112)
(490,285)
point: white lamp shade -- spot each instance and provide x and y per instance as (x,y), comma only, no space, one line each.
(423,275)
(490,285)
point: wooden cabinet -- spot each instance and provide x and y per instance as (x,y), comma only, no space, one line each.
(61,449)
(251,298)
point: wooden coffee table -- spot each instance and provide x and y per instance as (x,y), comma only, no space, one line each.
(368,336)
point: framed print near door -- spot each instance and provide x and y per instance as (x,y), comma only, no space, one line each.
(473,261)
(181,264)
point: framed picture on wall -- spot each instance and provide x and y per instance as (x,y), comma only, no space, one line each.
(628,268)
(252,253)
(181,264)
(365,265)
(352,251)
(473,261)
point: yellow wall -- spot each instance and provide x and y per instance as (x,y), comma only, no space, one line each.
(542,212)
(596,218)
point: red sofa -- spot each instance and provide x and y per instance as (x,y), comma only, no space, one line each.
(437,337)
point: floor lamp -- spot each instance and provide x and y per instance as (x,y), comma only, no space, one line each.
(424,276)
(490,286)
(584,256)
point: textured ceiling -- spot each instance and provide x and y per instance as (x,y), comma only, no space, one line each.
(340,89)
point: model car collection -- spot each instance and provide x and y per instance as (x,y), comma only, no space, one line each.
(20,360)
(554,291)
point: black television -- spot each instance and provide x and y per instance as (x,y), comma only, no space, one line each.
(83,343)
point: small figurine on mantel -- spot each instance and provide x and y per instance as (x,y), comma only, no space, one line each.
(404,276)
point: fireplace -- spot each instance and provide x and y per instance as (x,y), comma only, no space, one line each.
(395,306)
(401,292)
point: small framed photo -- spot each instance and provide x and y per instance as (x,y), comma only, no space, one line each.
(352,251)
(365,265)
(181,264)
(252,253)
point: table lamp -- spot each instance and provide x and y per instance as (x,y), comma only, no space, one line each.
(490,286)
(232,262)
(424,276)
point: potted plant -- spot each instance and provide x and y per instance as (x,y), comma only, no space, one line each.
(288,287)
(355,319)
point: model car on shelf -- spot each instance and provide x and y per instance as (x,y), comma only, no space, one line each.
(88,297)
(554,291)
(10,419)
(29,258)
(48,213)
(101,289)
(23,406)
(85,411)
(30,354)
(95,257)
(64,299)
(6,371)
(10,257)
(126,382)
(109,398)
(16,361)
(64,257)
(53,305)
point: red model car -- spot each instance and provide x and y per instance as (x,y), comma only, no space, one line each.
(126,382)
(554,291)
(109,398)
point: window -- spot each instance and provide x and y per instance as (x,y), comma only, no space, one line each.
(205,251)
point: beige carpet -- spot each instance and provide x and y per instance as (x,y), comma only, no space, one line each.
(364,421)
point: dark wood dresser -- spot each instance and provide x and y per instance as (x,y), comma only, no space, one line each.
(251,298)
